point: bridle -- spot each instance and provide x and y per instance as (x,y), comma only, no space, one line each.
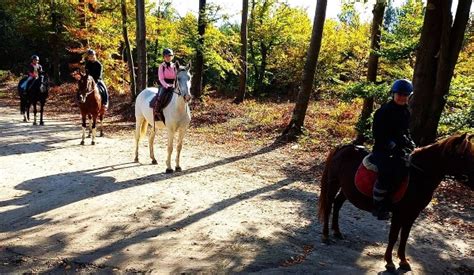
(177,90)
(89,91)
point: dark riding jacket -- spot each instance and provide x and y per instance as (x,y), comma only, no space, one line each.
(391,130)
(94,69)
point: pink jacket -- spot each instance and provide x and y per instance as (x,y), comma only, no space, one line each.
(166,72)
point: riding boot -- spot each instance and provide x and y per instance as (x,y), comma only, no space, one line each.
(381,201)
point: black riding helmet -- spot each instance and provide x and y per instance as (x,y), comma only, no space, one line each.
(90,52)
(35,57)
(167,52)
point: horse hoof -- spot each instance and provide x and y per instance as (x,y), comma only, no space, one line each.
(82,142)
(339,236)
(405,266)
(93,143)
(390,267)
(178,169)
(136,160)
(154,161)
(325,240)
(101,134)
(89,136)
(41,123)
(34,123)
(169,171)
(24,120)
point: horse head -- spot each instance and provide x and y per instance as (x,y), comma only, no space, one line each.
(458,151)
(183,84)
(85,85)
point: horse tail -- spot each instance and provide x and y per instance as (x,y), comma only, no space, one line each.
(325,182)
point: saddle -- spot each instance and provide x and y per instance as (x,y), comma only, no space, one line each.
(159,102)
(366,176)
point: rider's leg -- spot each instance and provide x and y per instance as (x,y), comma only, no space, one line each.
(105,93)
(25,83)
(382,188)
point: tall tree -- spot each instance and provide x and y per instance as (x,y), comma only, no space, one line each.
(295,126)
(128,51)
(440,43)
(141,45)
(368,105)
(243,53)
(199,67)
(56,25)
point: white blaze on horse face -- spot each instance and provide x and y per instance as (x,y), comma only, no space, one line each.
(184,79)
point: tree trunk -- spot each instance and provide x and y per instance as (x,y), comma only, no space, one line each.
(199,67)
(297,121)
(368,107)
(263,65)
(82,7)
(243,54)
(440,44)
(128,51)
(141,46)
(55,39)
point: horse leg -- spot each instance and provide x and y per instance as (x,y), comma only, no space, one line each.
(41,113)
(170,150)
(140,130)
(392,239)
(404,265)
(23,108)
(83,128)
(331,194)
(90,126)
(338,201)
(101,119)
(179,146)
(28,111)
(94,122)
(151,142)
(34,114)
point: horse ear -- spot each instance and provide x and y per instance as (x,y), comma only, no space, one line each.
(177,64)
(188,67)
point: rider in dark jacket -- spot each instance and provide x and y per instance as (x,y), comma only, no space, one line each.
(94,68)
(392,145)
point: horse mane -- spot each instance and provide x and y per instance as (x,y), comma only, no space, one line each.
(457,143)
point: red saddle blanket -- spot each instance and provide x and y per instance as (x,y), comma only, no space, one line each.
(365,180)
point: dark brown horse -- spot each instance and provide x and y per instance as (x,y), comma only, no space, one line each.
(90,104)
(37,92)
(452,156)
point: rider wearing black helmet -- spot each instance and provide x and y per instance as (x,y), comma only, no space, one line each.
(94,69)
(34,69)
(392,145)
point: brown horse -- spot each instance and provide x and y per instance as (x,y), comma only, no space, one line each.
(452,156)
(90,104)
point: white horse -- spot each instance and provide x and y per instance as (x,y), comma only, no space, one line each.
(177,116)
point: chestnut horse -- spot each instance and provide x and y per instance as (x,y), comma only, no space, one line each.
(90,104)
(453,156)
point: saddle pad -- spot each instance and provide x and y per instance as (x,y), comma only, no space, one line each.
(365,180)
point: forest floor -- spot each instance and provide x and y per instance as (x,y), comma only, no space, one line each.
(241,204)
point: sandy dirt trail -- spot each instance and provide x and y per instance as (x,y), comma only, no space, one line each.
(69,207)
